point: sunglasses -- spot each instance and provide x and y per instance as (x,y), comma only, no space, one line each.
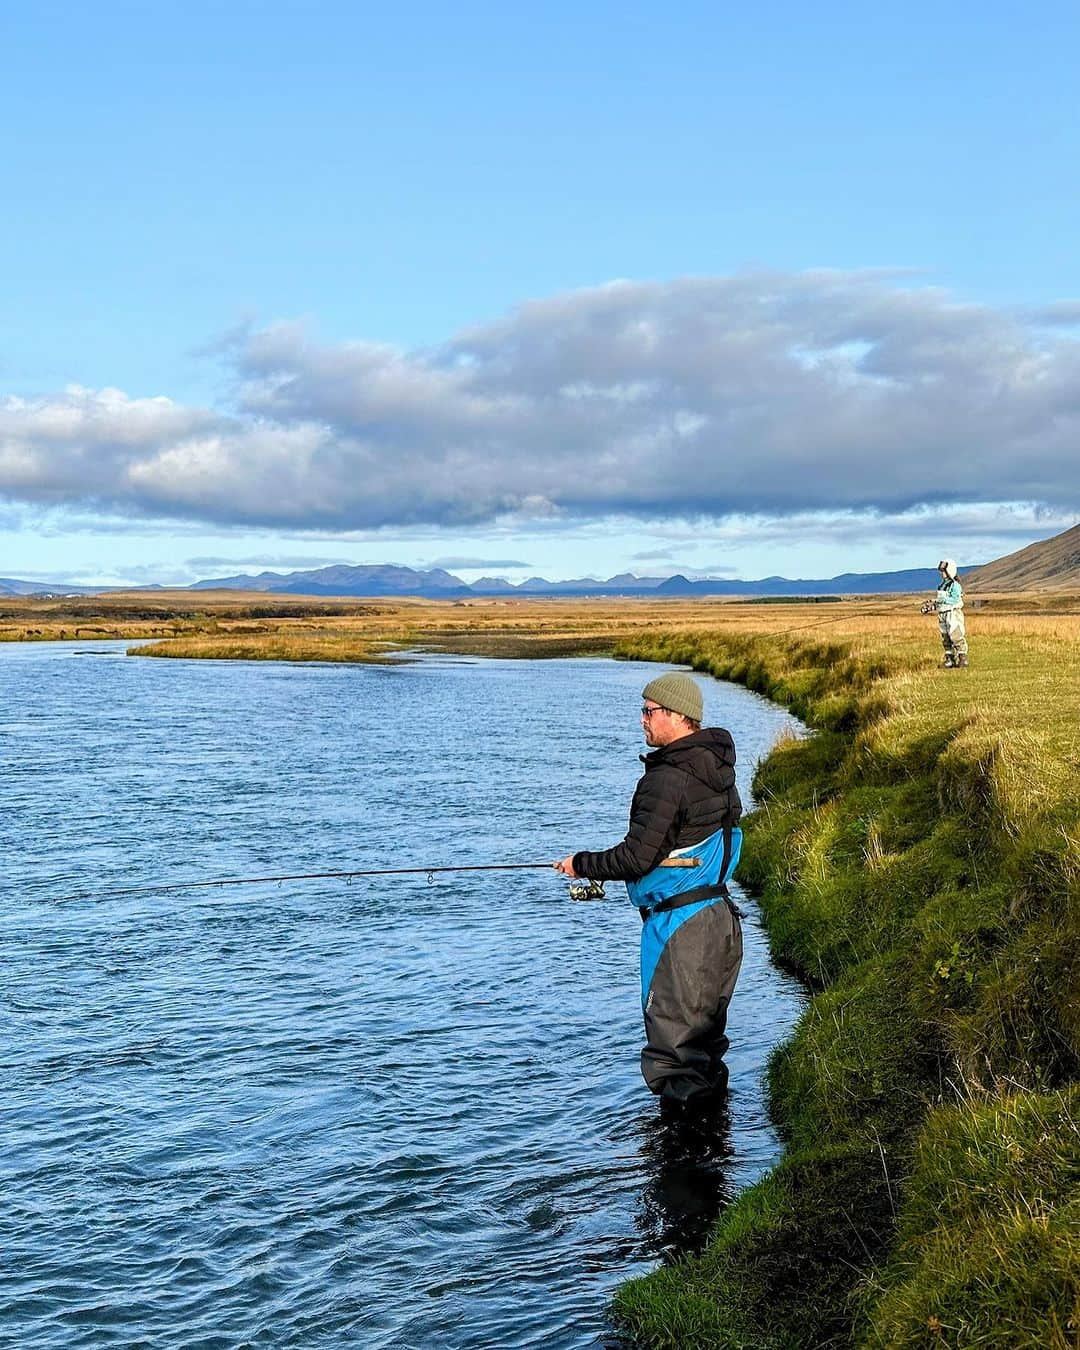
(648,712)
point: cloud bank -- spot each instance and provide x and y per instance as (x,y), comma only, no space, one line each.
(763,394)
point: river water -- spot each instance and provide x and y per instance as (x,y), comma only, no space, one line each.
(389,1114)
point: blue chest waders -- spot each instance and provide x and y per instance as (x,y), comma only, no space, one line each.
(691,951)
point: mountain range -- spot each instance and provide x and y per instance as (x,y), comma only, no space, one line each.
(1050,564)
(388,580)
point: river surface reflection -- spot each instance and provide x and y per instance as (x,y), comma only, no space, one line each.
(389,1115)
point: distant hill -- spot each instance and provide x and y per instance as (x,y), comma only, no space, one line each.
(10,586)
(1049,565)
(340,580)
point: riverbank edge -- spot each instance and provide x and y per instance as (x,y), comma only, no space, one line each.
(930,1190)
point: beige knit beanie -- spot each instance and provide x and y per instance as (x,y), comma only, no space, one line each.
(677,692)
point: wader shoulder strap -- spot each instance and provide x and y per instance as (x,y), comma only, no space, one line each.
(725,861)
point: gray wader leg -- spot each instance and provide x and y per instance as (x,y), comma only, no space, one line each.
(686,1008)
(946,638)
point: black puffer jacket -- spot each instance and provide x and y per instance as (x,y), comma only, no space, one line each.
(686,793)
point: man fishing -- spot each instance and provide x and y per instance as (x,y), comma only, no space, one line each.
(685,806)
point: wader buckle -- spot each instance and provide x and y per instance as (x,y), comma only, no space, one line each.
(692,897)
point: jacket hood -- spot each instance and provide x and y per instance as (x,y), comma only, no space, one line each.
(709,754)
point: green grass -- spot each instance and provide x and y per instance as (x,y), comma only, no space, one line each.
(988,1251)
(918,862)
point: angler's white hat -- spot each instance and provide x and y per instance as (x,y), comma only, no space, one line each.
(947,566)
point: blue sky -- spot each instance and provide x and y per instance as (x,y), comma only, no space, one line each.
(582,290)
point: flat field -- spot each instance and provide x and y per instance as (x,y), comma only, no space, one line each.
(254,625)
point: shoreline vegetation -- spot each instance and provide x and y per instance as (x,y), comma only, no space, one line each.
(918,864)
(917,860)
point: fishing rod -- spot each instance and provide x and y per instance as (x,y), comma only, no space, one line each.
(348,877)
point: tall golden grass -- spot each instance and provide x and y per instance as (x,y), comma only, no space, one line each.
(211,616)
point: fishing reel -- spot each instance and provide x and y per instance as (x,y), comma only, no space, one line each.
(586,890)
(928,607)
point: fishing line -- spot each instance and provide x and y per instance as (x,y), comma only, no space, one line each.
(837,618)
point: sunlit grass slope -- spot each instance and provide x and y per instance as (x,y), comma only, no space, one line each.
(918,861)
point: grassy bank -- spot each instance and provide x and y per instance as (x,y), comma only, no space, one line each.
(918,861)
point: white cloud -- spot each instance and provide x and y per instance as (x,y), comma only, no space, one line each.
(761,395)
(268,561)
(467,563)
